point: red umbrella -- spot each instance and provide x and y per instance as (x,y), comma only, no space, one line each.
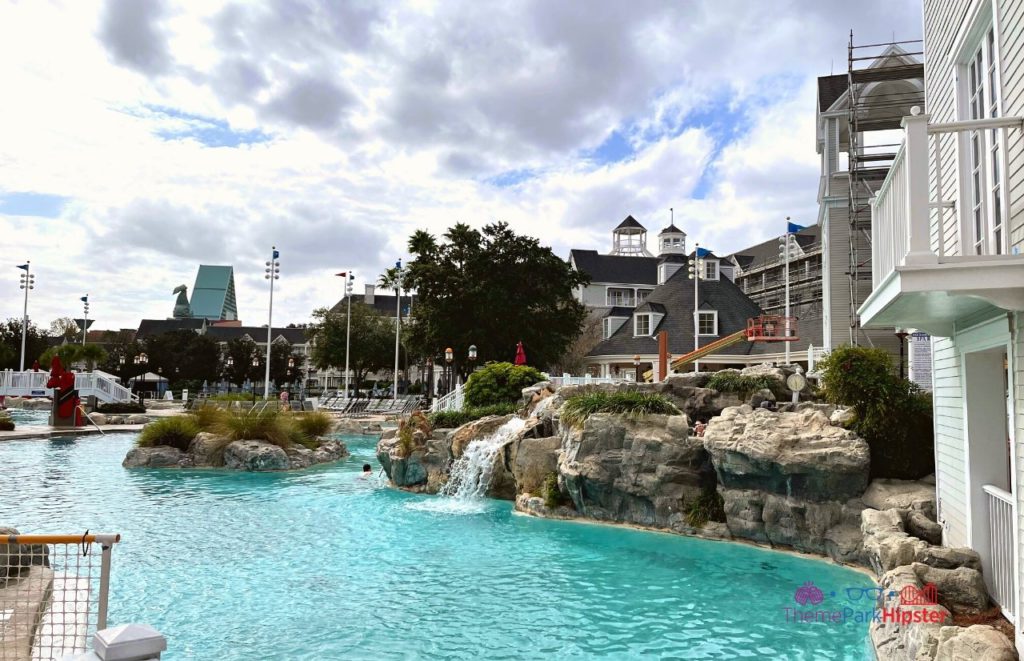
(520,354)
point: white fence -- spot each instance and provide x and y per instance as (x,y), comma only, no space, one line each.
(890,229)
(453,401)
(33,384)
(1000,539)
(585,380)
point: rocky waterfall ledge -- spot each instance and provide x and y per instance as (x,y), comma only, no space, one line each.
(792,479)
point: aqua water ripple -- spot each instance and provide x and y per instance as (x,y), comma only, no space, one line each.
(324,565)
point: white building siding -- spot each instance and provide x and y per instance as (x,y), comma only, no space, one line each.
(1011,50)
(1017,378)
(950,467)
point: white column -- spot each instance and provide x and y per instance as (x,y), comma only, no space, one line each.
(915,128)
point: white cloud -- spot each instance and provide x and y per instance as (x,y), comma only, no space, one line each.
(383,119)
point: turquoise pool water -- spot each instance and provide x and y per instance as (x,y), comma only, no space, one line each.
(29,417)
(323,565)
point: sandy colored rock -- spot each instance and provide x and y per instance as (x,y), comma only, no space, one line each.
(896,641)
(475,430)
(978,642)
(206,449)
(255,456)
(883,494)
(535,459)
(961,590)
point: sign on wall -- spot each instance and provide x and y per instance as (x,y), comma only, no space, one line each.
(921,360)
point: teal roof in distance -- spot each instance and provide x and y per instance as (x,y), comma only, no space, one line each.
(213,296)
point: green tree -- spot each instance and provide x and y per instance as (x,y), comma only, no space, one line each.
(280,352)
(241,351)
(89,355)
(491,288)
(372,344)
(195,357)
(10,336)
(121,344)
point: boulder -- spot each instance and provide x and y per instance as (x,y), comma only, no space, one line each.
(977,641)
(894,639)
(160,456)
(886,545)
(475,430)
(98,418)
(535,459)
(761,396)
(842,417)
(15,558)
(945,557)
(798,455)
(643,470)
(255,455)
(329,450)
(207,449)
(919,525)
(883,494)
(533,395)
(961,590)
(115,419)
(136,420)
(424,468)
(780,374)
(534,506)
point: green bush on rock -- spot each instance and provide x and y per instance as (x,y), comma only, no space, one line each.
(177,432)
(552,495)
(314,423)
(630,403)
(891,413)
(742,385)
(452,419)
(708,507)
(499,383)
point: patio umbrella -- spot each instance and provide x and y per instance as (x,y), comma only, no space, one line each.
(520,354)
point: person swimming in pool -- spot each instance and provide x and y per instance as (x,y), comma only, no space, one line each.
(367,472)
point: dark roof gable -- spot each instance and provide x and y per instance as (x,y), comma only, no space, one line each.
(616,268)
(630,222)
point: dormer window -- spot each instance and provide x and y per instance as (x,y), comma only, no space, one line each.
(711,269)
(642,325)
(707,323)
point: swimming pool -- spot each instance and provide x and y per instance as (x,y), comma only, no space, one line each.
(322,565)
(29,416)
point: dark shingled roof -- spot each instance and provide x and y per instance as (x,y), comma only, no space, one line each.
(830,88)
(768,251)
(150,327)
(619,312)
(672,228)
(630,222)
(675,299)
(384,304)
(257,333)
(616,268)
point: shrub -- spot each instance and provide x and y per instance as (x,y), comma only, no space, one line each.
(405,440)
(629,403)
(6,423)
(499,383)
(709,506)
(742,385)
(450,419)
(269,425)
(121,407)
(891,413)
(549,491)
(176,431)
(313,423)
(208,417)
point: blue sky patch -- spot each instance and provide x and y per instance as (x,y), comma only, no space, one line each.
(210,131)
(510,178)
(31,204)
(615,148)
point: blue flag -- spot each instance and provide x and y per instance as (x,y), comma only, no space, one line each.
(703,252)
(23,267)
(277,254)
(793,228)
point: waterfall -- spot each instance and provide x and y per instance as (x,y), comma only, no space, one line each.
(470,475)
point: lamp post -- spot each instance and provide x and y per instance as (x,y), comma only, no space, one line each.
(696,272)
(271,274)
(349,278)
(902,335)
(229,363)
(266,386)
(28,281)
(449,356)
(85,319)
(140,361)
(636,367)
(291,368)
(120,365)
(398,320)
(787,247)
(472,357)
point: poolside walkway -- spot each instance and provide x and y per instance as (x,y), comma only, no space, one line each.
(46,431)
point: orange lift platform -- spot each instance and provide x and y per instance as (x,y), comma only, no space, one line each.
(765,328)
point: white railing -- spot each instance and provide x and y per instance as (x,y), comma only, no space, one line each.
(902,224)
(1000,539)
(814,356)
(585,380)
(33,384)
(890,233)
(453,401)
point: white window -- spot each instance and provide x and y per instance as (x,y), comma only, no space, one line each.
(641,295)
(619,296)
(611,324)
(642,325)
(711,269)
(707,323)
(983,200)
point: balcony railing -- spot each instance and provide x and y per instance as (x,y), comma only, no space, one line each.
(1000,533)
(902,225)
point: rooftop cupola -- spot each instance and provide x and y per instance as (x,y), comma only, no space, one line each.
(671,241)
(630,239)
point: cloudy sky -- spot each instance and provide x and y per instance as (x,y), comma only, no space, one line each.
(140,138)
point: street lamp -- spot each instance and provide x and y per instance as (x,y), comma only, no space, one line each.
(85,319)
(636,367)
(140,361)
(349,278)
(28,281)
(472,356)
(695,271)
(120,365)
(291,367)
(229,363)
(902,335)
(270,273)
(266,386)
(449,356)
(787,247)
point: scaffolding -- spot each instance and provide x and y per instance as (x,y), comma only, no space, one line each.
(880,83)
